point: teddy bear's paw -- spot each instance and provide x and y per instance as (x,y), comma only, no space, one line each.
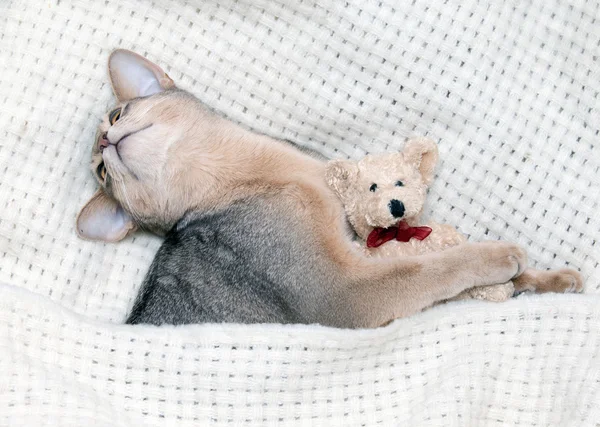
(466,294)
(493,293)
(449,242)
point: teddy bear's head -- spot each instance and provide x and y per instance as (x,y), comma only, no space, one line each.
(380,191)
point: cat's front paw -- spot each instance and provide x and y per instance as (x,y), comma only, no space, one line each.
(501,261)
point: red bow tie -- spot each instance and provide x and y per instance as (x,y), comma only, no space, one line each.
(401,232)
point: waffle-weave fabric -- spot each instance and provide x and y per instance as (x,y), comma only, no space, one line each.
(510,90)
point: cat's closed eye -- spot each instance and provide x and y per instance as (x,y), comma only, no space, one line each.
(101,171)
(114,115)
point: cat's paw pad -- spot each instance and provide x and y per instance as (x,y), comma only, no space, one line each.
(566,280)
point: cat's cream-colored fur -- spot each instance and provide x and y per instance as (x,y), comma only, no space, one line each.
(168,155)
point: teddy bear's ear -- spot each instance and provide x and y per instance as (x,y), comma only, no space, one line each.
(340,175)
(423,153)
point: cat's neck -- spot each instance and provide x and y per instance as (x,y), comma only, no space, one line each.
(228,160)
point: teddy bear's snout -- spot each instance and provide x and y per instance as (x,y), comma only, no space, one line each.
(396,208)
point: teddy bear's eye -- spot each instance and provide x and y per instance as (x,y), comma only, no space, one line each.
(373,187)
(399,184)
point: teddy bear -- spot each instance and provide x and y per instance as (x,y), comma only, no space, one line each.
(384,195)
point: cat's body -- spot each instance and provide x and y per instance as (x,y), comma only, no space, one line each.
(220,266)
(253,232)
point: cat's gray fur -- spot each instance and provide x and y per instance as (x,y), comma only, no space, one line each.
(251,262)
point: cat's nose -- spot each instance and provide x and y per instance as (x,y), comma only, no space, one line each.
(396,208)
(103,142)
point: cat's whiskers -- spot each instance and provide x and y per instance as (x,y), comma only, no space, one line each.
(128,205)
(118,172)
(114,163)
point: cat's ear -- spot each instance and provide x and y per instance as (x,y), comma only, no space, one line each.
(133,76)
(103,218)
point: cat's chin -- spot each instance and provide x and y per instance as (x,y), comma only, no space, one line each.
(111,154)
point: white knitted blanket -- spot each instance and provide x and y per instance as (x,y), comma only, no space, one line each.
(511,90)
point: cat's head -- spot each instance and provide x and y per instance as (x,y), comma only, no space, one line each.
(139,153)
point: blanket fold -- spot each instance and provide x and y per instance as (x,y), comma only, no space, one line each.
(469,363)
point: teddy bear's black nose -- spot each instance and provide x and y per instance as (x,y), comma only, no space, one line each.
(396,208)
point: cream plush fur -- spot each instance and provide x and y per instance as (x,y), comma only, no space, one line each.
(366,188)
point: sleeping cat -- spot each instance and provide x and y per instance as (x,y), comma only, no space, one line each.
(252,231)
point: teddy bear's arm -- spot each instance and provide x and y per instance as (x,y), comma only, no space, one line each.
(444,236)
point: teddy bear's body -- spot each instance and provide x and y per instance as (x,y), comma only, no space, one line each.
(381,193)
(442,236)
